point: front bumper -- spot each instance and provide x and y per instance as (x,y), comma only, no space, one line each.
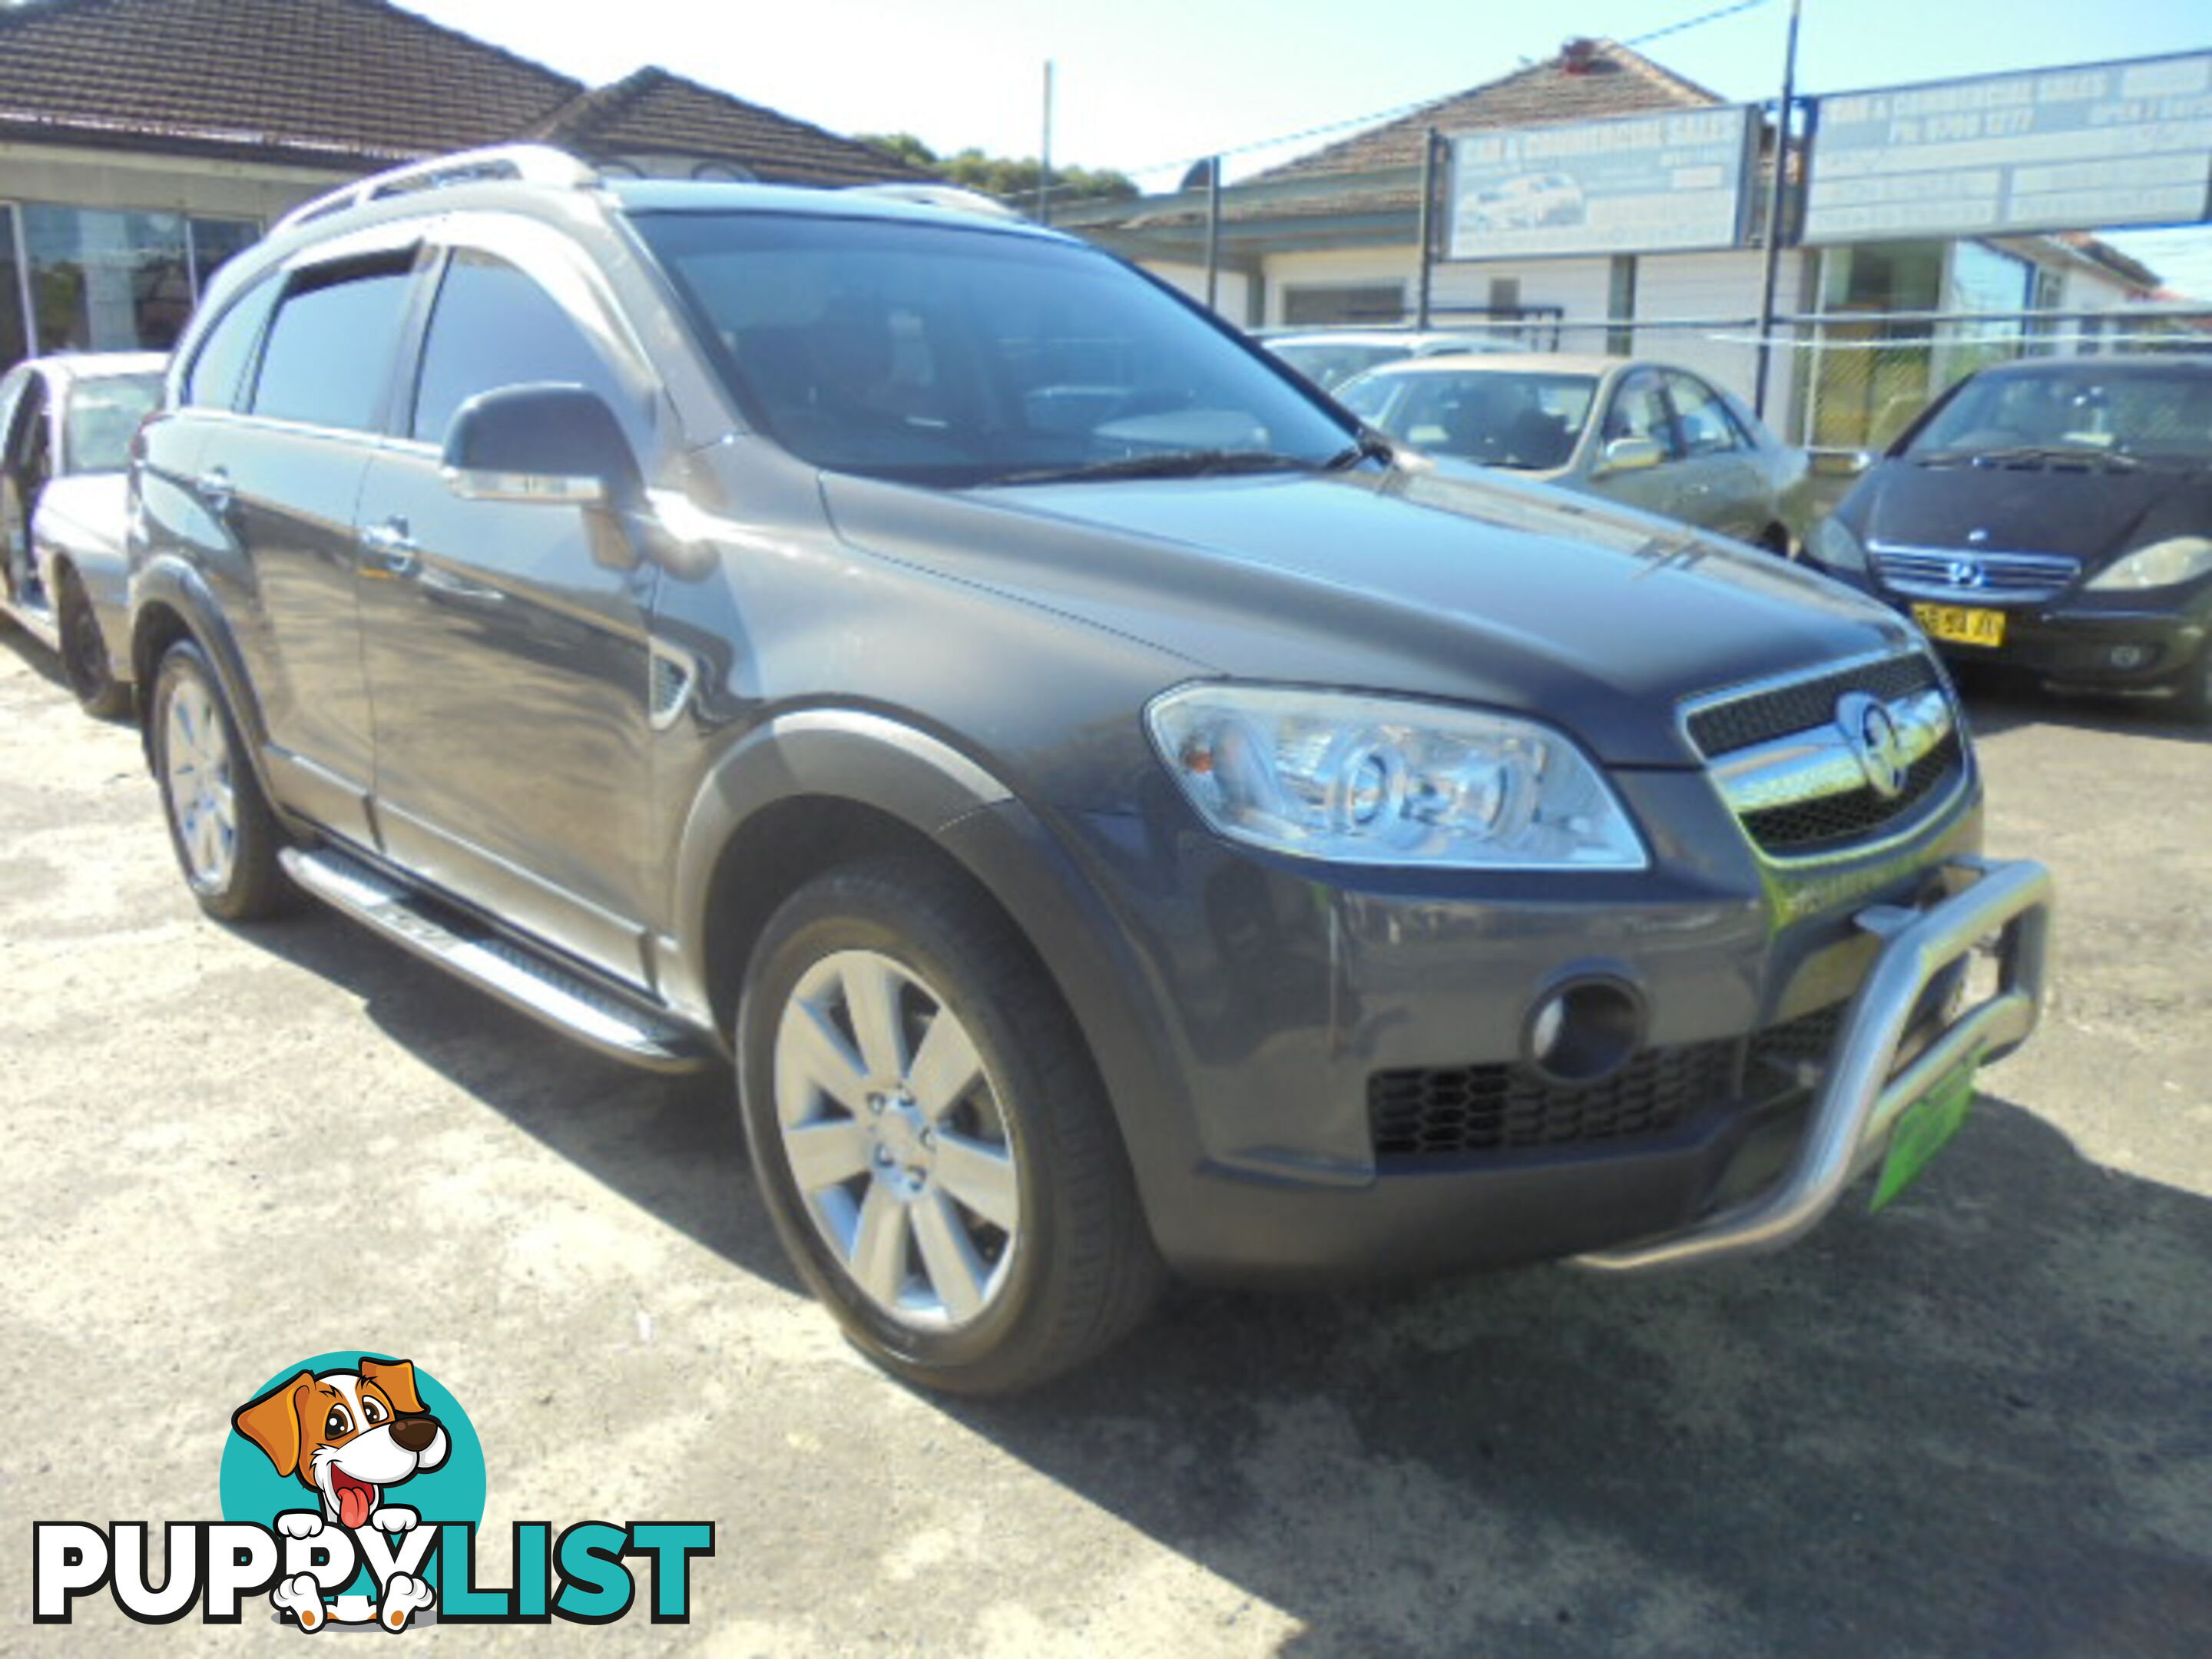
(1253,1018)
(2084,639)
(1865,1090)
(2091,648)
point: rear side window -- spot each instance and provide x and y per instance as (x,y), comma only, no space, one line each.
(217,375)
(328,358)
(494,327)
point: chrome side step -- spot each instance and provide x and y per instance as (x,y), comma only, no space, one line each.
(523,979)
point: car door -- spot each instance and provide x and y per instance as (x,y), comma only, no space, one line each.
(1720,468)
(1637,408)
(505,641)
(279,480)
(26,460)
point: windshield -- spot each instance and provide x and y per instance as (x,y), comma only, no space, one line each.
(102,417)
(2083,409)
(1530,421)
(956,357)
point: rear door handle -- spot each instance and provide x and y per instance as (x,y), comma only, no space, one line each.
(215,488)
(387,549)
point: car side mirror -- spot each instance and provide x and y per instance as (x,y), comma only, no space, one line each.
(1631,455)
(544,443)
(1861,461)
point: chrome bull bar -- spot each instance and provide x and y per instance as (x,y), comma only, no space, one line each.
(1860,1099)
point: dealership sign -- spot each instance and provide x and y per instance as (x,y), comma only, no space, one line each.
(1643,184)
(2090,147)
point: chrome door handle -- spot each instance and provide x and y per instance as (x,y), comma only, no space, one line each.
(387,549)
(215,488)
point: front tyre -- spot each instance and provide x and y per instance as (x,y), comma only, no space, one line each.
(931,1137)
(225,836)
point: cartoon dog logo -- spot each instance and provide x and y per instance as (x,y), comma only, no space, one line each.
(348,1436)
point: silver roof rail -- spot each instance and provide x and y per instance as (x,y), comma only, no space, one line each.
(949,196)
(532,164)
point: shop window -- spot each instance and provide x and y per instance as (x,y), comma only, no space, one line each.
(102,280)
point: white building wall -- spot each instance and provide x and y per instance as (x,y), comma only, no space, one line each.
(1720,293)
(32,172)
(1365,267)
(1232,289)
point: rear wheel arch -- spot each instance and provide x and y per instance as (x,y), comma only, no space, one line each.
(166,608)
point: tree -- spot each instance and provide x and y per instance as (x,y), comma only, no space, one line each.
(1010,179)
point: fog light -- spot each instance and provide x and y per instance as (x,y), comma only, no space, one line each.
(2129,656)
(1585,1031)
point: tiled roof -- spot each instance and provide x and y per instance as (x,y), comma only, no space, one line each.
(653,112)
(328,80)
(354,85)
(1606,80)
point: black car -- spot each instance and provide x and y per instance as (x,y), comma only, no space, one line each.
(2055,516)
(1115,811)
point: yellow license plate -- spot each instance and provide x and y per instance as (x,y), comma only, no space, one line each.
(1960,624)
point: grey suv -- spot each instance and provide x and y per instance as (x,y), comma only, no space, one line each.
(1117,816)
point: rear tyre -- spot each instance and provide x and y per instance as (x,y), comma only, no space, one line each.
(932,1142)
(84,651)
(220,823)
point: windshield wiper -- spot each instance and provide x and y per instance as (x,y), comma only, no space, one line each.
(1165,463)
(2038,454)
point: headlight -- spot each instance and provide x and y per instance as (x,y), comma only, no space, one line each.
(1359,780)
(2162,564)
(1834,546)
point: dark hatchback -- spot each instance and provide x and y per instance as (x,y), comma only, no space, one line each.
(2053,516)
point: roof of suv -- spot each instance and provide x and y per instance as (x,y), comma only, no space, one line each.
(514,174)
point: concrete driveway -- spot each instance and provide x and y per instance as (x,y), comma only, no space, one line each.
(1980,1424)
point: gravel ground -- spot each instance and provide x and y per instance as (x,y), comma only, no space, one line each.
(1978,1424)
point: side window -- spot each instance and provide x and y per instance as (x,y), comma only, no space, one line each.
(494,326)
(1640,411)
(328,358)
(217,375)
(1708,428)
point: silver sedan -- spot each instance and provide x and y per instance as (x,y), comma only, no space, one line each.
(66,424)
(1645,435)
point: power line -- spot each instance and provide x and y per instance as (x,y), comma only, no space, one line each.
(1714,17)
(1419,103)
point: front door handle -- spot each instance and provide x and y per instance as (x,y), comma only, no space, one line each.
(215,488)
(386,549)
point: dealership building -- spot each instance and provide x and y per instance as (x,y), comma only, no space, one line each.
(1599,202)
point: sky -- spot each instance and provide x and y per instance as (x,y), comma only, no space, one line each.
(1149,86)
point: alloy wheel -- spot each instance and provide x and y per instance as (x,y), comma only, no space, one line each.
(197,774)
(892,1130)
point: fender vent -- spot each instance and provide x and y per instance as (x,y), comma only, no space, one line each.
(674,672)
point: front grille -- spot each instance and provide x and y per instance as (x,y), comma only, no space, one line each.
(1968,576)
(1449,1111)
(1831,821)
(1724,728)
